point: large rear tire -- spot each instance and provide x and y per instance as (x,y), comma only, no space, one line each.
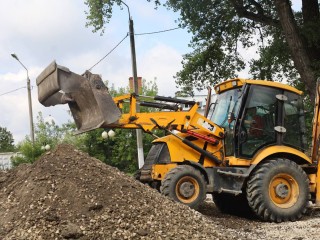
(184,184)
(278,191)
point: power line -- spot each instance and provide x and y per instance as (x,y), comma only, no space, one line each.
(147,33)
(109,52)
(12,91)
(167,30)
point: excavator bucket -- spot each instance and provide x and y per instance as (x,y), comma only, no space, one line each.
(88,98)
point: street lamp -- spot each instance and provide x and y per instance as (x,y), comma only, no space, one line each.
(106,135)
(135,84)
(29,98)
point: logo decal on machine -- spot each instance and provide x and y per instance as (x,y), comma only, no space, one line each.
(206,125)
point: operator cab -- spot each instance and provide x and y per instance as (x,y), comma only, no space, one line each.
(256,114)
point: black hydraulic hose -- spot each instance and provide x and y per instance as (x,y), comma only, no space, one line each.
(159,105)
(174,100)
(200,150)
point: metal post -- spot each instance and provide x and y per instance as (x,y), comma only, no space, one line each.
(136,90)
(30,110)
(133,57)
(29,99)
(135,85)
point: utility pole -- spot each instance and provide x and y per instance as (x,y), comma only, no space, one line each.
(136,88)
(29,99)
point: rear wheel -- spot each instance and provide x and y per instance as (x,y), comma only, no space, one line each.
(184,184)
(278,191)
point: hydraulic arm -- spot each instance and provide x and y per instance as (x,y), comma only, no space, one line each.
(92,107)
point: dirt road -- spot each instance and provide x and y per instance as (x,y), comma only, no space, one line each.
(252,228)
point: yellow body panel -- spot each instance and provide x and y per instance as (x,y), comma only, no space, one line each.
(315,153)
(179,152)
(160,170)
(240,82)
(234,161)
(264,153)
(317,187)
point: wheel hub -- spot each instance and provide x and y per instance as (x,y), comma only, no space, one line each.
(187,189)
(282,190)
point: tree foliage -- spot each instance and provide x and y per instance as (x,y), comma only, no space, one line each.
(287,40)
(6,140)
(100,12)
(121,151)
(221,27)
(46,133)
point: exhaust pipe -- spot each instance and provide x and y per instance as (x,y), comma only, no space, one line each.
(88,98)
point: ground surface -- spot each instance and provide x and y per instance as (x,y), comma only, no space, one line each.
(68,195)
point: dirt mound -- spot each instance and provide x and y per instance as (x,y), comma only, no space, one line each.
(67,194)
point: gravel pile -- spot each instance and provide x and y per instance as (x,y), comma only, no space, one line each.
(67,194)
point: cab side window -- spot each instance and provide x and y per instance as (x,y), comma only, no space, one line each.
(294,121)
(258,120)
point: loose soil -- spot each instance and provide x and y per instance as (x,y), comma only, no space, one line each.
(67,194)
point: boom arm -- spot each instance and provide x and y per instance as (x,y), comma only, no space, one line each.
(179,120)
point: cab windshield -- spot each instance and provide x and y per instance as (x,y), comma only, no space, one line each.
(226,104)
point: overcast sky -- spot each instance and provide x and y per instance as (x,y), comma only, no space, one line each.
(40,31)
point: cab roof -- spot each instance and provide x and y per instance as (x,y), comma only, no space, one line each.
(238,82)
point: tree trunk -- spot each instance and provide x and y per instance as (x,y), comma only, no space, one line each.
(298,51)
(310,10)
(311,16)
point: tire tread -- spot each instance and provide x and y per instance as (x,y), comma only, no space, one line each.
(180,169)
(255,191)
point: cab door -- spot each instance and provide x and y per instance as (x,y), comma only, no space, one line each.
(259,117)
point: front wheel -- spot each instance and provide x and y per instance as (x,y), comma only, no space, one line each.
(184,184)
(278,190)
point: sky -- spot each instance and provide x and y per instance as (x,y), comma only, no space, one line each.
(39,32)
(42,31)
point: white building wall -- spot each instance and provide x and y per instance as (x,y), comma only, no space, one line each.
(197,98)
(5,160)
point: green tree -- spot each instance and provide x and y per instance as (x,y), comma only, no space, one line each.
(287,40)
(46,133)
(120,151)
(6,140)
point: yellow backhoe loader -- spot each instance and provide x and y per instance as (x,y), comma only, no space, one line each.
(248,150)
